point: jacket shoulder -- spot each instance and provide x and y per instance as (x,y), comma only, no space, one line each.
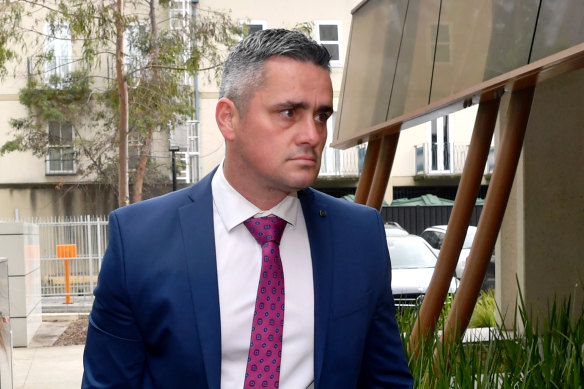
(337,204)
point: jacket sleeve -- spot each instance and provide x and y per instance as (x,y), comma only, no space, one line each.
(384,363)
(114,355)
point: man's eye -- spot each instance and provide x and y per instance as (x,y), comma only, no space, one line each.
(288,113)
(322,117)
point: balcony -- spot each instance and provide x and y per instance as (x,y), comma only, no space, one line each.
(342,163)
(445,159)
(55,72)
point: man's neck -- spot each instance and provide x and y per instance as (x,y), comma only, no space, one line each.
(262,197)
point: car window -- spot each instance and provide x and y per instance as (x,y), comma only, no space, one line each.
(434,238)
(409,253)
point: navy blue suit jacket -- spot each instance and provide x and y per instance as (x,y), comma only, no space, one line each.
(155,321)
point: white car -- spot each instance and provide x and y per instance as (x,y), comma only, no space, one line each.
(394,229)
(412,266)
(435,237)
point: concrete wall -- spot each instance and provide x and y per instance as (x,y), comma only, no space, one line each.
(541,238)
(49,200)
(19,242)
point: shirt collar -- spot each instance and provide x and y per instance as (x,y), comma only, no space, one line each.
(234,209)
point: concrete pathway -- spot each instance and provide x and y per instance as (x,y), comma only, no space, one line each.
(44,366)
(58,367)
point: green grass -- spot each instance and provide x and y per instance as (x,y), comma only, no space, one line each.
(550,355)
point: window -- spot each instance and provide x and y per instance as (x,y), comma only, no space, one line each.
(440,147)
(251,26)
(332,159)
(328,33)
(434,238)
(134,58)
(60,150)
(59,50)
(179,12)
(440,38)
(186,136)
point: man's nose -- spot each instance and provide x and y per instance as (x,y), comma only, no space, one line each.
(311,132)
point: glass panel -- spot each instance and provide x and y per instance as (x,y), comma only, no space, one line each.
(444,36)
(560,26)
(68,159)
(411,87)
(54,133)
(333,51)
(54,160)
(328,32)
(373,49)
(66,134)
(486,39)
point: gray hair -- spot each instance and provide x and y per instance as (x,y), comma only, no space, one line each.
(244,67)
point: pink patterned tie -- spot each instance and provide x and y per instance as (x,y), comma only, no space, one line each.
(265,351)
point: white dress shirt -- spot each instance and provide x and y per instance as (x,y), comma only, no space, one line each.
(238,271)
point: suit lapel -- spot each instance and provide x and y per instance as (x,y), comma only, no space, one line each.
(321,249)
(199,241)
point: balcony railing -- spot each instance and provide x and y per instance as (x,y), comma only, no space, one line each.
(445,159)
(54,72)
(342,163)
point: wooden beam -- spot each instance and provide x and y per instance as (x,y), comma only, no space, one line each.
(492,215)
(466,196)
(369,166)
(383,171)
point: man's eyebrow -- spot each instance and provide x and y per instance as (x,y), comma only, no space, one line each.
(325,108)
(302,105)
(291,105)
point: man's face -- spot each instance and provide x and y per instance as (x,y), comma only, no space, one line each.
(277,145)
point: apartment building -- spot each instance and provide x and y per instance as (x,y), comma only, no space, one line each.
(55,184)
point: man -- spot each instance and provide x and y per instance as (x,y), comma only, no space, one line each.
(178,303)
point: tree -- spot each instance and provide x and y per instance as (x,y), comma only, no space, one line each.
(148,91)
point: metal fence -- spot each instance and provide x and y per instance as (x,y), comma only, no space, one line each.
(417,218)
(89,235)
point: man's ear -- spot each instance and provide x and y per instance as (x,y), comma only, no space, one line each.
(227,117)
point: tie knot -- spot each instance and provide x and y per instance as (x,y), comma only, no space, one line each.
(266,229)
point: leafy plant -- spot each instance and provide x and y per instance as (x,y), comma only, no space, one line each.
(484,311)
(531,354)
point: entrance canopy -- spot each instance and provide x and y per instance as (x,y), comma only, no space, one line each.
(407,57)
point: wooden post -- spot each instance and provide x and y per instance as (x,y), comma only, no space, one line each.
(492,214)
(383,171)
(369,166)
(466,196)
(67,251)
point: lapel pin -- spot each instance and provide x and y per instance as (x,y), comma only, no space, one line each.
(322,213)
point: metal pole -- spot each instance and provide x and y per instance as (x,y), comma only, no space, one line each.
(90,253)
(492,215)
(173,171)
(466,195)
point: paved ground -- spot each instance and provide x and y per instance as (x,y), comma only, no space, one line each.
(43,366)
(47,367)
